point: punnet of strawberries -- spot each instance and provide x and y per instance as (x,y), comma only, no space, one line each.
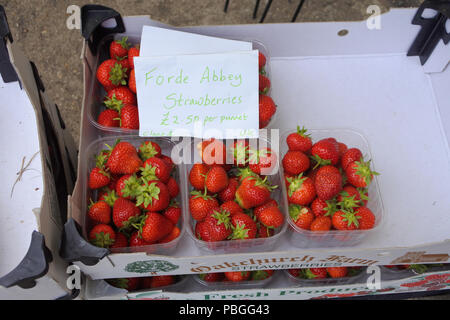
(137,197)
(143,283)
(325,273)
(327,184)
(234,201)
(236,276)
(117,77)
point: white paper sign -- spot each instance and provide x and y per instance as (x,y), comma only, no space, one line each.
(165,42)
(199,95)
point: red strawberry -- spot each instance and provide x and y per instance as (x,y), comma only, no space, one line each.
(315,273)
(345,220)
(129,117)
(231,207)
(109,118)
(212,277)
(349,198)
(264,84)
(136,240)
(102,235)
(149,149)
(323,208)
(295,272)
(100,212)
(262,161)
(200,204)
(121,241)
(261,274)
(271,217)
(229,193)
(366,218)
(119,48)
(299,141)
(253,192)
(359,173)
(168,160)
(328,182)
(109,196)
(157,281)
(216,179)
(133,52)
(325,152)
(337,272)
(174,234)
(257,210)
(173,187)
(267,109)
(119,97)
(155,168)
(156,227)
(352,154)
(243,227)
(173,213)
(301,190)
(153,196)
(124,159)
(132,81)
(321,223)
(201,230)
(295,162)
(218,224)
(264,232)
(239,151)
(301,216)
(125,65)
(128,186)
(197,175)
(212,151)
(261,60)
(124,213)
(243,173)
(237,276)
(111,74)
(98,178)
(342,149)
(130,284)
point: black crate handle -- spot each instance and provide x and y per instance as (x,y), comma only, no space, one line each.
(33,266)
(92,17)
(6,68)
(75,248)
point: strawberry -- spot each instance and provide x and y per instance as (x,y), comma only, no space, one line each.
(155,227)
(100,212)
(262,161)
(124,159)
(366,218)
(125,65)
(136,240)
(231,207)
(153,195)
(218,224)
(345,220)
(229,193)
(157,281)
(200,204)
(121,241)
(337,272)
(98,178)
(315,273)
(271,217)
(173,212)
(325,152)
(119,48)
(349,198)
(352,154)
(155,168)
(212,277)
(119,97)
(216,179)
(212,151)
(267,109)
(253,192)
(264,232)
(130,284)
(201,230)
(299,140)
(109,118)
(295,162)
(133,52)
(264,84)
(342,149)
(239,151)
(149,149)
(243,227)
(102,235)
(168,160)
(364,195)
(323,208)
(261,274)
(125,213)
(296,272)
(261,61)
(245,172)
(129,117)
(109,196)
(237,276)
(257,210)
(328,182)
(111,74)
(301,190)
(132,81)
(321,223)
(197,175)
(174,234)
(359,173)
(173,187)
(128,186)
(301,216)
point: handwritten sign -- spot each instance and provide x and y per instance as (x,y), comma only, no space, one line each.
(199,95)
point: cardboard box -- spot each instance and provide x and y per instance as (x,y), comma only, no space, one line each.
(363,81)
(38,160)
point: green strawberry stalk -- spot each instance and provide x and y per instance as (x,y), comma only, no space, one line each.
(260,275)
(331,208)
(147,151)
(131,187)
(110,197)
(222,217)
(295,183)
(146,194)
(419,268)
(319,162)
(350,218)
(348,203)
(148,173)
(239,232)
(363,170)
(114,104)
(118,74)
(243,173)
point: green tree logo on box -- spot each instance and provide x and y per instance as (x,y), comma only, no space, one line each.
(150,266)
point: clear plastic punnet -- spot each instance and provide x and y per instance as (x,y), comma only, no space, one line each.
(230,285)
(88,163)
(337,238)
(359,276)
